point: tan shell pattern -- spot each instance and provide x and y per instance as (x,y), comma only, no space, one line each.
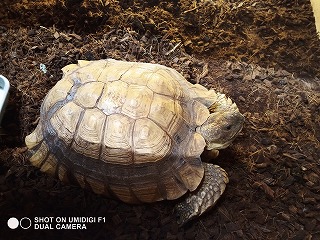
(122,129)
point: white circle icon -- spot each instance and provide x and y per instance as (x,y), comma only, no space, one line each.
(25,223)
(13,223)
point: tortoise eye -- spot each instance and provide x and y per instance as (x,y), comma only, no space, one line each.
(229,127)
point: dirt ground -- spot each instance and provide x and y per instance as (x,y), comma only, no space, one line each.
(263,54)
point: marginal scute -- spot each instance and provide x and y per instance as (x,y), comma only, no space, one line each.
(64,121)
(34,138)
(69,68)
(190,172)
(203,95)
(150,142)
(170,76)
(113,97)
(58,93)
(62,173)
(114,70)
(174,187)
(179,130)
(40,155)
(137,75)
(50,165)
(200,113)
(84,73)
(137,102)
(146,191)
(123,193)
(80,179)
(195,145)
(113,155)
(97,186)
(87,95)
(87,140)
(158,84)
(83,63)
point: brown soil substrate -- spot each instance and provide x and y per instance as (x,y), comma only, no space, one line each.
(263,54)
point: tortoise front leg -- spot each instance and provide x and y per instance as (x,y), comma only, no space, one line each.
(205,196)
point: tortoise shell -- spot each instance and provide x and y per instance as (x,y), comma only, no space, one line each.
(123,129)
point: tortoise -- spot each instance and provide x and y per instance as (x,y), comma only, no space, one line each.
(135,132)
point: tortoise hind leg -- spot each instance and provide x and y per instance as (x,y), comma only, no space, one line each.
(210,189)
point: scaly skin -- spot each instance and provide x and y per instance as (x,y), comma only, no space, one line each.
(205,197)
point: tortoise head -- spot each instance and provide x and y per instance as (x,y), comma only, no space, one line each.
(223,124)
